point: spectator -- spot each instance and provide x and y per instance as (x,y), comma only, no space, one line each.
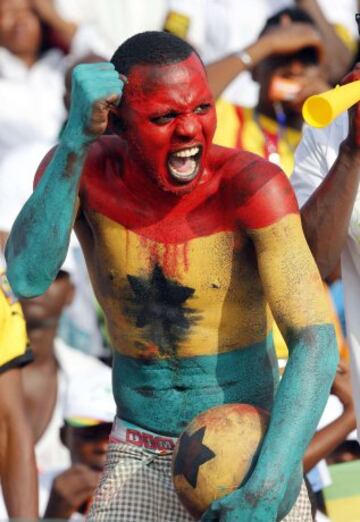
(326,181)
(115,20)
(55,368)
(287,65)
(31,91)
(219,28)
(88,415)
(17,463)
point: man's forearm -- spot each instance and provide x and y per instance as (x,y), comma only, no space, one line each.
(326,215)
(40,236)
(299,402)
(17,461)
(19,478)
(224,71)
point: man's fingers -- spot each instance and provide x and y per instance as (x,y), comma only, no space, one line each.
(352,76)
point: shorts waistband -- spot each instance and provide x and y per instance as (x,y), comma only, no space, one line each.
(128,433)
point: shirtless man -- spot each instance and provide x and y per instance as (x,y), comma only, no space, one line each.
(188,246)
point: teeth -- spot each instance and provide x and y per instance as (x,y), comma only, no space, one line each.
(187,153)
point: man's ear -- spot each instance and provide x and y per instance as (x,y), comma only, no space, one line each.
(255,74)
(64,436)
(116,124)
(70,293)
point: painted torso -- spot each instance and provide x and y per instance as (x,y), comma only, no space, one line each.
(182,296)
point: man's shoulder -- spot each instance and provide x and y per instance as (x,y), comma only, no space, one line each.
(244,171)
(260,190)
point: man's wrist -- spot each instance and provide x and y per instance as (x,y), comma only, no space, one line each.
(246,59)
(350,149)
(58,507)
(75,139)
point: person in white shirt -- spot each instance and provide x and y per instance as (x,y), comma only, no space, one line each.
(222,28)
(326,182)
(89,411)
(115,20)
(31,92)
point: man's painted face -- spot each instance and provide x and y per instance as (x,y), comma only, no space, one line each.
(169,118)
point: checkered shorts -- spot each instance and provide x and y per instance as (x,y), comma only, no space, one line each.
(137,487)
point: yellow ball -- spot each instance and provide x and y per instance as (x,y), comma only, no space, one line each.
(215,452)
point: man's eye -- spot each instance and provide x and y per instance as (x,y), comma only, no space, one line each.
(203,108)
(164,118)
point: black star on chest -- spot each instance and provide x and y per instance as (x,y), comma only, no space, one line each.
(192,453)
(158,306)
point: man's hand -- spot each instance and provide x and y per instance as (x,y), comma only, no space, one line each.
(290,37)
(241,506)
(256,502)
(70,490)
(353,138)
(342,386)
(310,84)
(45,9)
(96,89)
(47,12)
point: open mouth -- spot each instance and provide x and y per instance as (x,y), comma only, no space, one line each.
(184,164)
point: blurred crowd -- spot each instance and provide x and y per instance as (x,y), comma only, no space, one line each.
(264,59)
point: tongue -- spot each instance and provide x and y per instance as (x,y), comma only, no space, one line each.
(183,165)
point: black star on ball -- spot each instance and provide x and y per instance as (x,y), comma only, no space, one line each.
(192,453)
(157,306)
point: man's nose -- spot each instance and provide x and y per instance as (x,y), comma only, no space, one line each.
(101,446)
(296,68)
(187,127)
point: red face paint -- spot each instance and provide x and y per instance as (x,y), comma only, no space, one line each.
(169,118)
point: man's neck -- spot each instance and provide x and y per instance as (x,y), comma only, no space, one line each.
(147,191)
(27,58)
(42,344)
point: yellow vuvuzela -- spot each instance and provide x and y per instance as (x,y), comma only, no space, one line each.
(321,109)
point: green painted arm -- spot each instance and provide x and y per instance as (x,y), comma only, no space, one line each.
(40,236)
(296,296)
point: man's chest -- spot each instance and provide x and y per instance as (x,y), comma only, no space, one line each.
(201,262)
(175,295)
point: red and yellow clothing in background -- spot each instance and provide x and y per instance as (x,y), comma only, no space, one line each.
(14,350)
(242,128)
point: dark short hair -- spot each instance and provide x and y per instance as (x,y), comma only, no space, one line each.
(294,13)
(151,48)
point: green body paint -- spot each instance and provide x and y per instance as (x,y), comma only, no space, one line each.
(164,395)
(40,236)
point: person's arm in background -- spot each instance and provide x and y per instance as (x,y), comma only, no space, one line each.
(329,437)
(338,57)
(40,236)
(48,13)
(284,39)
(70,489)
(17,462)
(326,214)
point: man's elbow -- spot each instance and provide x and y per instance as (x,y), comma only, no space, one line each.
(23,284)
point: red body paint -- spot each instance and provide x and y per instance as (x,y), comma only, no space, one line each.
(128,179)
